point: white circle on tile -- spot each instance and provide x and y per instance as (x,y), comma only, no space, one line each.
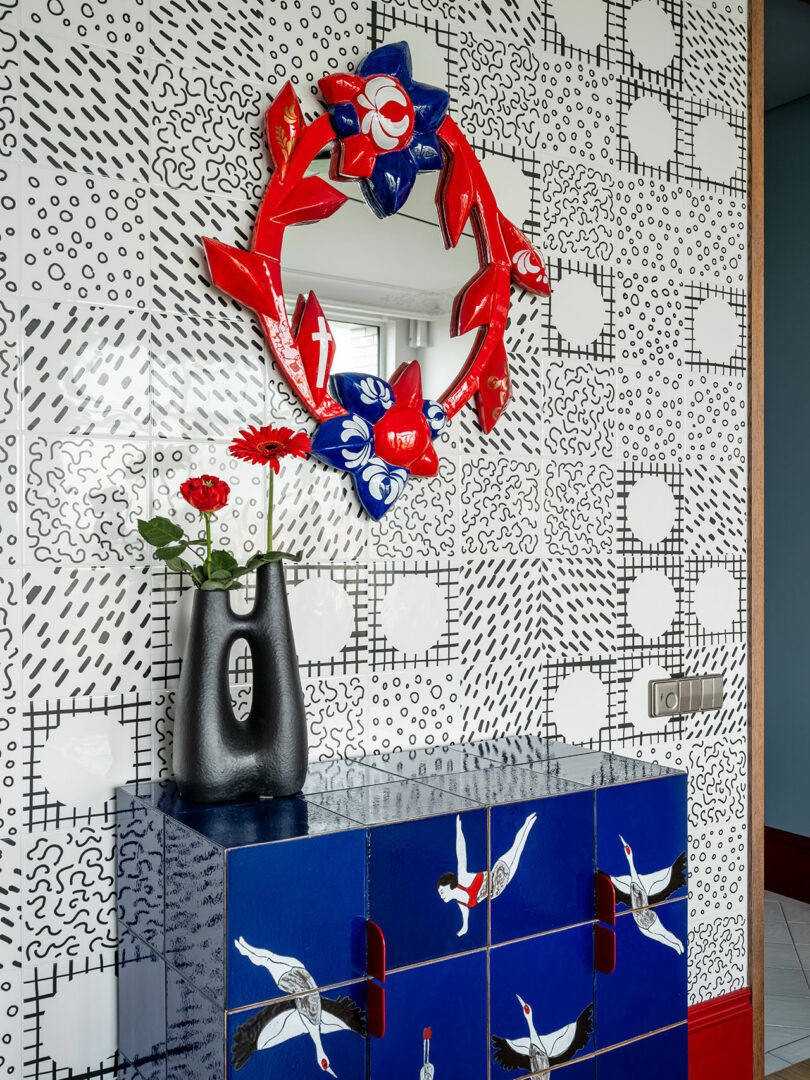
(581,22)
(429,62)
(717,153)
(651,131)
(85,759)
(651,35)
(717,332)
(638,711)
(78,1024)
(511,187)
(413,614)
(716,599)
(651,604)
(580,705)
(322,615)
(578,309)
(651,509)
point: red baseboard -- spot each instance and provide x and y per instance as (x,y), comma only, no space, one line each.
(787,864)
(721,1044)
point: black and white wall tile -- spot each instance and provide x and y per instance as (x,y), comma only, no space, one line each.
(594,540)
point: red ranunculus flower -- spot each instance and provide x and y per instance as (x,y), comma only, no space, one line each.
(205,493)
(267,445)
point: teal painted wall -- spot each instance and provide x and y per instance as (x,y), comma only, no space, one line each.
(787,467)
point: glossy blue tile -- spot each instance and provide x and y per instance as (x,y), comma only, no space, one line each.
(437,1014)
(663,1057)
(305,900)
(338,774)
(139,854)
(543,853)
(280,1041)
(641,839)
(539,987)
(647,990)
(195,1032)
(406,864)
(401,800)
(420,764)
(263,821)
(574,1070)
(195,908)
(488,783)
(596,769)
(519,749)
(141,1007)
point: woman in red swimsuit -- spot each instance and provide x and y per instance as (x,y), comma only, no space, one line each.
(468,889)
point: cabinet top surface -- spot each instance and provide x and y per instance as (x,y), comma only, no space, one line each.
(346,794)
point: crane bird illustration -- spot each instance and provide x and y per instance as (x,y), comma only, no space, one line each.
(308,1013)
(539,1052)
(469,889)
(639,891)
(427,1072)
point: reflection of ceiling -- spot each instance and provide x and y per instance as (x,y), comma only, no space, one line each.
(399,262)
(787,48)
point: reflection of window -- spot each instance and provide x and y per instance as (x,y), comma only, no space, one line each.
(357,347)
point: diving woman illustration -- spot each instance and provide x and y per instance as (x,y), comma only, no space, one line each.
(468,889)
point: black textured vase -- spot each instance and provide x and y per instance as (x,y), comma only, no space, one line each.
(217,757)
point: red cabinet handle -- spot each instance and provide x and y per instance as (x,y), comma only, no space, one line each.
(375,1009)
(605,893)
(604,949)
(375,951)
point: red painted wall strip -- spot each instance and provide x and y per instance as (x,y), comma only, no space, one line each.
(787,863)
(721,1037)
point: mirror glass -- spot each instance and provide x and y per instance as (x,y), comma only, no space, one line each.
(386,286)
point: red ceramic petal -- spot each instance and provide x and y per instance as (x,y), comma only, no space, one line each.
(356,158)
(340,87)
(428,463)
(407,384)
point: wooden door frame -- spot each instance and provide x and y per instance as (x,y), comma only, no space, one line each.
(756,516)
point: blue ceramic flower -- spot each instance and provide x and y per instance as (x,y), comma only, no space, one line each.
(386,436)
(386,124)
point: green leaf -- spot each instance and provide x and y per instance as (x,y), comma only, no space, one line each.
(179,564)
(222,560)
(272,556)
(212,584)
(198,575)
(171,552)
(159,531)
(222,575)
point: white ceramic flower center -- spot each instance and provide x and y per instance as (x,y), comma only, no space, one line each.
(386,113)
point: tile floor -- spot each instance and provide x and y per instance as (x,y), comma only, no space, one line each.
(787,982)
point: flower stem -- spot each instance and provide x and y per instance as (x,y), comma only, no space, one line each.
(270,511)
(207,545)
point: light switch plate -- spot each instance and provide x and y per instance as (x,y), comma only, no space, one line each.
(672,697)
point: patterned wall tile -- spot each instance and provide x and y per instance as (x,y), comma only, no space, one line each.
(408,709)
(11,1050)
(579,607)
(423,522)
(85,369)
(718,871)
(715,55)
(715,510)
(336,712)
(413,614)
(634,669)
(85,631)
(716,599)
(652,511)
(715,238)
(9,362)
(651,603)
(83,500)
(649,225)
(501,612)
(94,22)
(330,608)
(78,750)
(579,700)
(503,697)
(716,328)
(649,321)
(9,92)
(649,414)
(207,133)
(207,376)
(652,131)
(579,317)
(578,408)
(317,511)
(650,41)
(180,279)
(715,418)
(730,659)
(578,508)
(718,781)
(58,998)
(500,506)
(11,722)
(89,240)
(69,877)
(223,36)
(718,951)
(716,148)
(72,90)
(10,510)
(572,211)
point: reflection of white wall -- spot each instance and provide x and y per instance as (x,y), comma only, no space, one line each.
(443,358)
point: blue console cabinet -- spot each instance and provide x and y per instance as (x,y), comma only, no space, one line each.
(429,914)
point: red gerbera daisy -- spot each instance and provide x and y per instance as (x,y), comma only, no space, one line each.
(267,445)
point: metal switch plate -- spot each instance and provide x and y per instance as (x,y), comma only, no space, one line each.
(671,697)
